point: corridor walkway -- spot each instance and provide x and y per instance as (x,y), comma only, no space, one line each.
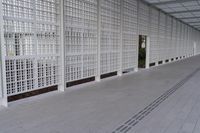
(164,99)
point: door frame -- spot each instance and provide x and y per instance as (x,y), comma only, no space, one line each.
(147,61)
(194,48)
(147,52)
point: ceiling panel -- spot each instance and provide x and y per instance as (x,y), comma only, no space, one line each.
(187,11)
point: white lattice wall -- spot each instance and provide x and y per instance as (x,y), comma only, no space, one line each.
(1,85)
(129,36)
(32,44)
(185,40)
(80,22)
(110,35)
(189,49)
(162,36)
(178,38)
(174,37)
(154,29)
(32,38)
(198,43)
(168,45)
(143,17)
(181,39)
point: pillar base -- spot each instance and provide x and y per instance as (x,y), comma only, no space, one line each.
(97,79)
(61,88)
(156,64)
(119,73)
(4,102)
(135,69)
(163,62)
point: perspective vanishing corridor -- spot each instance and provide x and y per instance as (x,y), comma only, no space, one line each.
(59,43)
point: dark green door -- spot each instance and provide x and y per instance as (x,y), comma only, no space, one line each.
(142,51)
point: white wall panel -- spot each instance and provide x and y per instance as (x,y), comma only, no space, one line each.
(185,40)
(143,17)
(162,35)
(1,81)
(174,38)
(32,45)
(177,37)
(80,39)
(181,40)
(189,42)
(110,35)
(154,29)
(129,35)
(168,45)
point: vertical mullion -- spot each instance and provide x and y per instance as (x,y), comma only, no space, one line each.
(121,38)
(158,36)
(148,41)
(98,73)
(3,55)
(82,38)
(61,86)
(35,59)
(137,34)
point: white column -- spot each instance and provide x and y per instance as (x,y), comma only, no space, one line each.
(195,49)
(156,64)
(138,33)
(119,73)
(61,86)
(147,52)
(1,87)
(98,73)
(3,100)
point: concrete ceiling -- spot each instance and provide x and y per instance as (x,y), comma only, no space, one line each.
(187,11)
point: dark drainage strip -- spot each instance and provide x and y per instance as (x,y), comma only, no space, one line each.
(132,121)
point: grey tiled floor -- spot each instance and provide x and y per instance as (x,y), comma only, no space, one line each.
(102,107)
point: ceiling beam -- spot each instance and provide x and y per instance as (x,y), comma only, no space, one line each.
(189,17)
(196,25)
(185,11)
(194,22)
(171,2)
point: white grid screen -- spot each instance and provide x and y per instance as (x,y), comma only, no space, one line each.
(1,85)
(162,35)
(110,35)
(129,36)
(174,37)
(178,38)
(168,46)
(31,39)
(154,46)
(143,18)
(80,20)
(31,30)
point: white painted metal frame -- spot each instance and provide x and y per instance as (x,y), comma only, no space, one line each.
(3,74)
(98,75)
(80,39)
(30,45)
(62,83)
(154,30)
(147,52)
(129,35)
(143,16)
(110,35)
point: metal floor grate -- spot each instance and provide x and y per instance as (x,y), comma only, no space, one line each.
(132,121)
